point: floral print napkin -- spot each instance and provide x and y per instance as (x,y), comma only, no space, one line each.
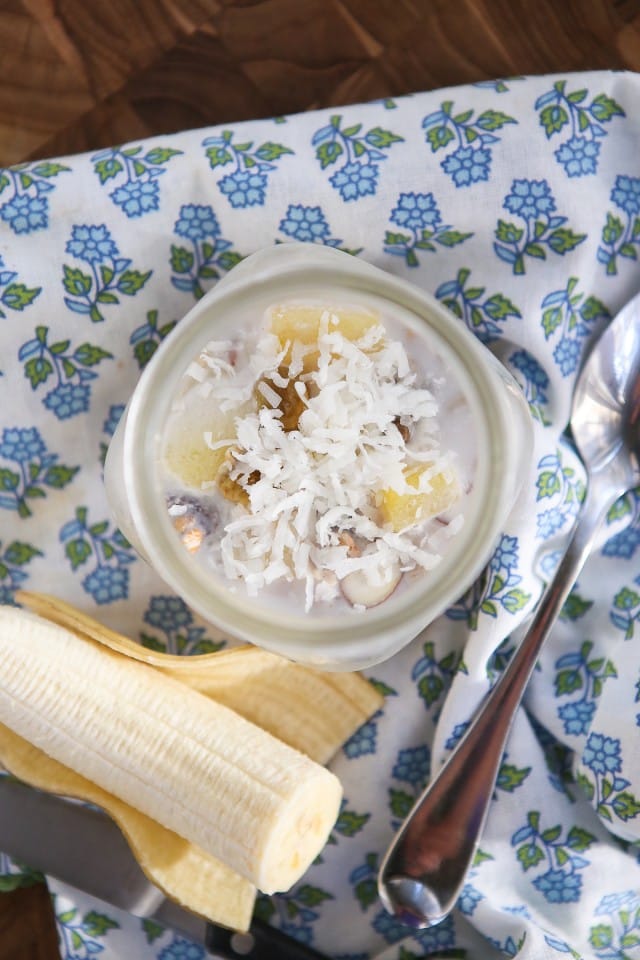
(517,204)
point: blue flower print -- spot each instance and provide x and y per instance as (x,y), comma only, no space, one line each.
(115,413)
(168,614)
(626,194)
(411,770)
(529,199)
(171,618)
(469,899)
(91,244)
(362,742)
(549,522)
(246,185)
(22,445)
(107,584)
(137,198)
(602,754)
(626,541)
(532,202)
(419,213)
(467,165)
(80,936)
(416,210)
(577,717)
(559,109)
(412,765)
(181,949)
(306,224)
(13,294)
(623,544)
(209,253)
(88,293)
(24,204)
(557,886)
(68,399)
(561,882)
(618,938)
(456,735)
(567,355)
(505,555)
(136,174)
(25,214)
(70,368)
(146,338)
(309,225)
(433,674)
(470,161)
(497,590)
(482,314)
(355,180)
(612,902)
(579,672)
(35,469)
(565,490)
(625,612)
(244,188)
(107,550)
(571,318)
(196,222)
(359,152)
(534,382)
(621,236)
(432,940)
(602,781)
(578,156)
(14,558)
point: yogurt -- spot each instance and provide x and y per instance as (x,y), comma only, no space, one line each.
(318,458)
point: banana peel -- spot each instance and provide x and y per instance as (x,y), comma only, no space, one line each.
(310,711)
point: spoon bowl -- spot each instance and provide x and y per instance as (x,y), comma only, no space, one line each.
(423,872)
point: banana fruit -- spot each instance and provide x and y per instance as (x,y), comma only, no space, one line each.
(312,711)
(191,764)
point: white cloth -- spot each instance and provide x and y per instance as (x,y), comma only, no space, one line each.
(518,204)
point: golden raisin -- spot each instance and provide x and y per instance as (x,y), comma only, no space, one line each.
(291,403)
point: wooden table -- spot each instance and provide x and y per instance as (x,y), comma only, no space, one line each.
(83,74)
(79,75)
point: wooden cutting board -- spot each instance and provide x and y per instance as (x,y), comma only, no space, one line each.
(83,74)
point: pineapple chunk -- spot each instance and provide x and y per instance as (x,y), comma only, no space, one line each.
(301,321)
(187,456)
(402,510)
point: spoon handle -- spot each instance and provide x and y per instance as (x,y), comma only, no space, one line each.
(424,869)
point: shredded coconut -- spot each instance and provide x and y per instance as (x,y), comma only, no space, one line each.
(309,507)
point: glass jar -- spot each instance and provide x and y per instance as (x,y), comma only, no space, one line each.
(353,639)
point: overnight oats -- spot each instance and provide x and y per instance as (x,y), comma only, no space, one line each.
(320,459)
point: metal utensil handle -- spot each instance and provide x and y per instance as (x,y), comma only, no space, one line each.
(423,872)
(263,942)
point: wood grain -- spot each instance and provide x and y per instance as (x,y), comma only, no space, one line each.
(27,925)
(84,74)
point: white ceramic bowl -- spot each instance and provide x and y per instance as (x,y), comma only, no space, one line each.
(354,639)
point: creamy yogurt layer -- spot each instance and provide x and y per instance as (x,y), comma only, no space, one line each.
(320,458)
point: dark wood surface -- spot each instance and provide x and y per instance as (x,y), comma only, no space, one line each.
(83,74)
(79,75)
(27,925)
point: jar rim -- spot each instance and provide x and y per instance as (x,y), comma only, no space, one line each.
(358,638)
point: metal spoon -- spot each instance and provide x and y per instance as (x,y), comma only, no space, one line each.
(423,871)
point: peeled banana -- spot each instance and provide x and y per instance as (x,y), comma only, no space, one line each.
(311,710)
(180,758)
